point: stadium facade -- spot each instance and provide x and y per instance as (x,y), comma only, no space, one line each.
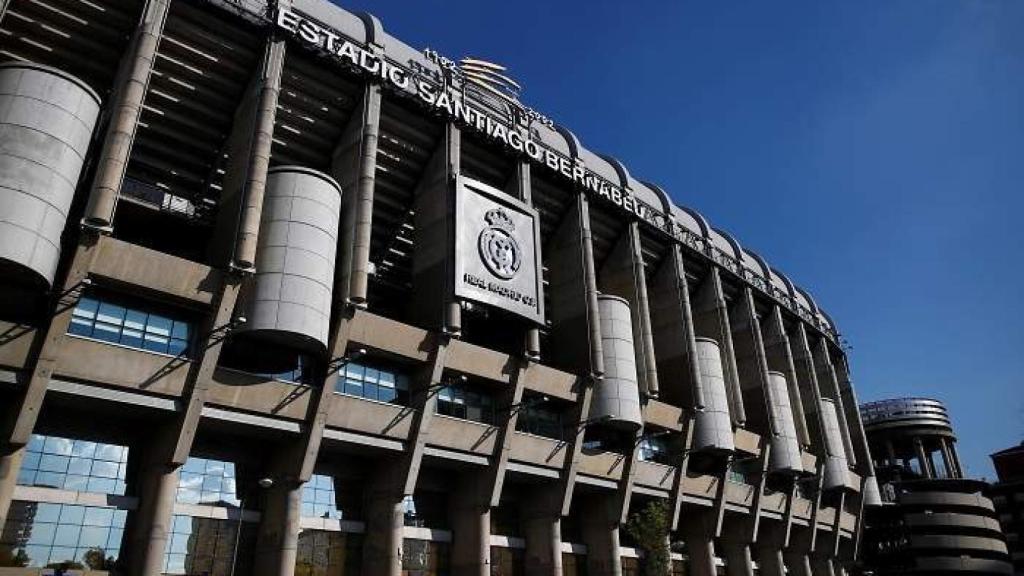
(283,295)
(933,520)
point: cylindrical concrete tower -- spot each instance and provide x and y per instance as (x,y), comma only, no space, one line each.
(933,520)
(617,394)
(291,298)
(46,122)
(713,428)
(837,467)
(785,454)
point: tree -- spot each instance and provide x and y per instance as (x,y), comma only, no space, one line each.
(650,528)
(96,559)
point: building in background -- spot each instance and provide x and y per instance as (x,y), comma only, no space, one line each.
(280,294)
(933,520)
(1008,498)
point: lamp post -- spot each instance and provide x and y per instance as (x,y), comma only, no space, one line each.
(263,483)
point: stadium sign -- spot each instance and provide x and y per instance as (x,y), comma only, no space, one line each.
(497,250)
(447,95)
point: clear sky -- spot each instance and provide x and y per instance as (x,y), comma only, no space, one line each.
(873,151)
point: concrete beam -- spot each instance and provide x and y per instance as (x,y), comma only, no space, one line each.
(675,343)
(434,303)
(512,400)
(751,363)
(130,87)
(354,166)
(215,331)
(321,399)
(623,275)
(779,356)
(711,319)
(830,389)
(423,400)
(678,482)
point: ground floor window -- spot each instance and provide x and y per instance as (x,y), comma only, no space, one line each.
(508,561)
(207,546)
(323,553)
(630,567)
(70,536)
(574,564)
(425,558)
(73,464)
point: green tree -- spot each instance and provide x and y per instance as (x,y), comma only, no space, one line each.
(96,559)
(650,528)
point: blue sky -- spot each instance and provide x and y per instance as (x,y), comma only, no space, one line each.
(874,151)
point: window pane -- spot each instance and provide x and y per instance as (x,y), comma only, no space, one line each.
(95,516)
(135,319)
(158,325)
(107,332)
(86,308)
(54,445)
(181,330)
(80,327)
(83,449)
(110,313)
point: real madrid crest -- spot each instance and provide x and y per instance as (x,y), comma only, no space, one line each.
(499,250)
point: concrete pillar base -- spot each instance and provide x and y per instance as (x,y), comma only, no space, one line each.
(382,549)
(471,547)
(738,561)
(770,562)
(277,542)
(799,564)
(601,536)
(542,526)
(10,465)
(147,539)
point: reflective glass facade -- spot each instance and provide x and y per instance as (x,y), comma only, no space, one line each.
(43,533)
(206,546)
(425,558)
(469,404)
(130,326)
(508,561)
(324,553)
(373,383)
(207,481)
(541,421)
(70,464)
(336,498)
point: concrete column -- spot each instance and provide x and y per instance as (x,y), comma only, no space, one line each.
(737,560)
(471,529)
(770,562)
(268,87)
(701,548)
(947,458)
(355,168)
(922,459)
(277,541)
(601,536)
(823,566)
(956,460)
(798,564)
(146,538)
(126,106)
(10,463)
(382,548)
(544,545)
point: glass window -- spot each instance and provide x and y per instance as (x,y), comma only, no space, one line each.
(130,326)
(42,534)
(460,402)
(72,464)
(207,481)
(329,554)
(374,383)
(541,420)
(206,546)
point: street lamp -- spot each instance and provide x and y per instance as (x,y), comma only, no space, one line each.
(264,483)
